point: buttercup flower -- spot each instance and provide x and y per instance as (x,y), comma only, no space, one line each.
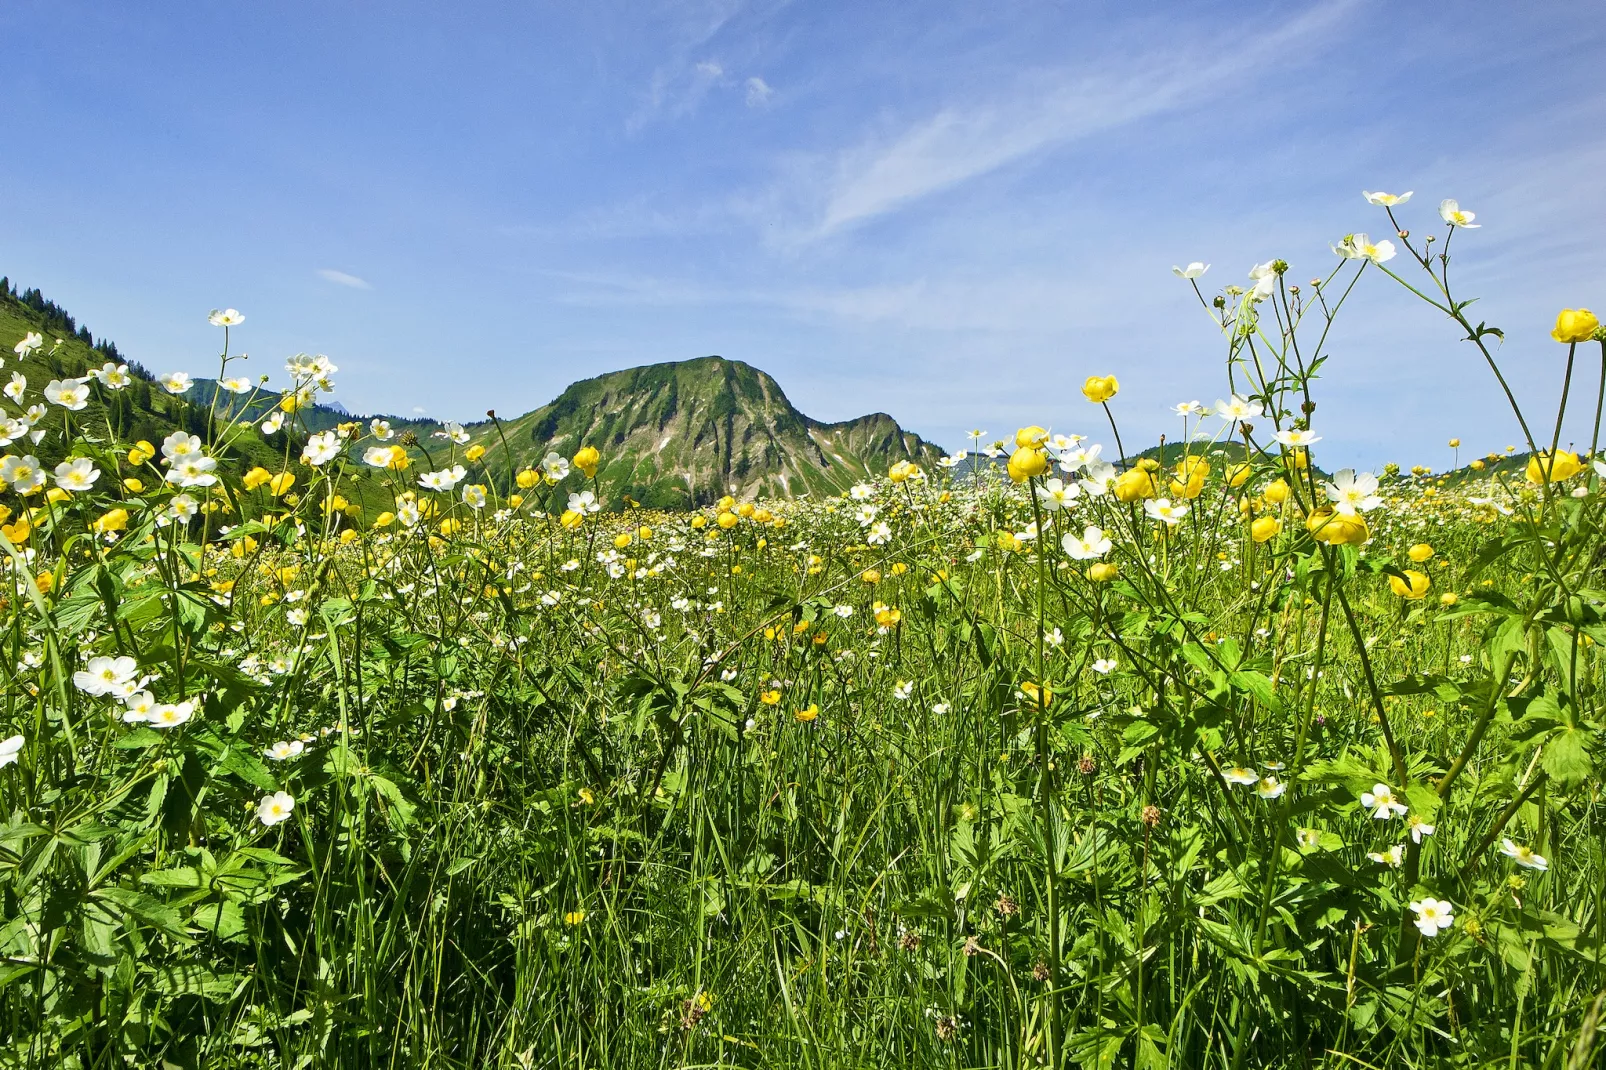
(1542,468)
(1575,325)
(1413,587)
(1100,388)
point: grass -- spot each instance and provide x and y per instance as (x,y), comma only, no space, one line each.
(904,777)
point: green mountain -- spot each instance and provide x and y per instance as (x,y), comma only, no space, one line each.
(686,432)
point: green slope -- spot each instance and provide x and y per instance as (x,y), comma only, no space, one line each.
(686,432)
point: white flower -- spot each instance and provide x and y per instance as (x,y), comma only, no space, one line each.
(9,749)
(1433,916)
(1296,438)
(77,475)
(180,444)
(1089,546)
(70,394)
(236,384)
(1097,477)
(1382,802)
(903,689)
(1056,495)
(1387,200)
(1391,857)
(194,471)
(1351,492)
(1189,408)
(226,318)
(1450,211)
(380,429)
(176,382)
(879,534)
(274,421)
(1239,408)
(113,376)
(14,389)
(1162,510)
(170,714)
(30,342)
(1240,775)
(1270,788)
(1105,665)
(275,808)
(1192,271)
(453,431)
(1419,828)
(1265,281)
(445,479)
(1361,247)
(583,502)
(865,515)
(139,706)
(1523,856)
(861,492)
(1054,637)
(1074,457)
(843,611)
(555,466)
(474,496)
(1308,838)
(321,448)
(22,474)
(183,507)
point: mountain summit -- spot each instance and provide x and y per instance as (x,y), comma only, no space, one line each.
(686,432)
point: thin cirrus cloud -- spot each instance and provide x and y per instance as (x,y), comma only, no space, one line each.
(1044,109)
(341,278)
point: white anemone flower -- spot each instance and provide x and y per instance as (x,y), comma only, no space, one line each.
(555,466)
(1298,438)
(275,808)
(1387,200)
(321,448)
(9,749)
(1352,492)
(113,376)
(1240,775)
(236,384)
(227,317)
(1091,545)
(1433,916)
(22,474)
(1192,271)
(1239,408)
(1362,247)
(1163,510)
(176,382)
(1451,212)
(1055,494)
(584,502)
(1523,856)
(70,394)
(1382,802)
(77,475)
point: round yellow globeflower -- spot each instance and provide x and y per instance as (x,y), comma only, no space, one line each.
(1420,552)
(1448,599)
(587,460)
(1265,528)
(1135,485)
(474,452)
(1565,465)
(1413,587)
(1100,388)
(1103,571)
(726,520)
(1026,462)
(1238,474)
(1031,436)
(1574,325)
(1336,529)
(527,478)
(1277,492)
(112,520)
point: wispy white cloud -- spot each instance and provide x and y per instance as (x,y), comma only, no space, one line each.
(1046,109)
(758,92)
(341,278)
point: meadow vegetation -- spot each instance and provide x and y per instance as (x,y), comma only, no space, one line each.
(337,747)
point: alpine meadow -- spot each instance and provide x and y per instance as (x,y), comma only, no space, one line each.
(667,727)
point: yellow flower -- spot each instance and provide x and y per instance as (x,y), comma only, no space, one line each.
(243,546)
(281,483)
(1100,388)
(1455,443)
(1448,599)
(45,581)
(699,521)
(348,536)
(1134,485)
(141,452)
(255,478)
(1420,552)
(1026,462)
(1413,587)
(770,698)
(888,617)
(1277,492)
(1103,571)
(133,486)
(1265,528)
(1033,436)
(587,460)
(725,504)
(474,452)
(644,533)
(727,520)
(901,471)
(1238,474)
(574,917)
(385,519)
(1477,465)
(745,509)
(809,714)
(1574,325)
(111,520)
(1035,695)
(450,526)
(870,575)
(1565,466)
(621,541)
(1190,481)
(527,478)
(571,519)
(18,532)
(1336,529)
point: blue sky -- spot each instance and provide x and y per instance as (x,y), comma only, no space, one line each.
(952,212)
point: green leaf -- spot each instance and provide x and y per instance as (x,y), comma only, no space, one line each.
(1565,758)
(189,979)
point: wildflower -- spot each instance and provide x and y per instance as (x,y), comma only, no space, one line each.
(9,749)
(275,808)
(1391,857)
(445,479)
(70,394)
(1035,694)
(1192,271)
(1097,477)
(1412,587)
(1163,511)
(228,317)
(1387,200)
(1420,552)
(1241,776)
(31,341)
(1055,494)
(236,384)
(1270,788)
(808,713)
(194,471)
(1433,915)
(1296,438)
(16,387)
(284,750)
(22,474)
(903,689)
(1351,492)
(1104,666)
(555,467)
(587,460)
(1100,388)
(1382,802)
(1026,462)
(1308,838)
(138,706)
(1134,485)
(1542,468)
(1361,247)
(1523,856)
(1574,325)
(1336,529)
(321,448)
(115,519)
(176,382)
(1418,828)
(274,421)
(1089,546)
(1265,528)
(77,475)
(1450,211)
(105,675)
(1103,571)
(474,495)
(770,698)
(169,714)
